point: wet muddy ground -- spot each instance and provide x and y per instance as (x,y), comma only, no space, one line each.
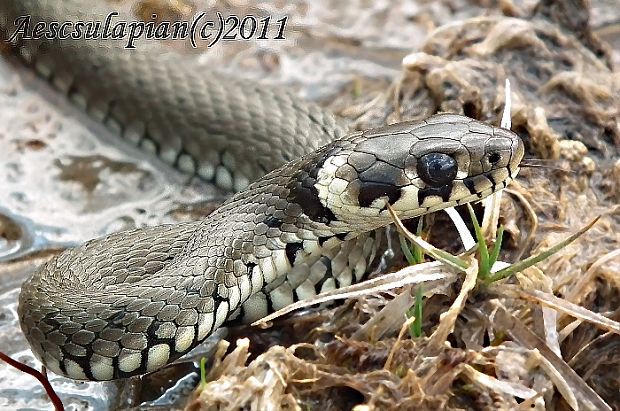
(64,178)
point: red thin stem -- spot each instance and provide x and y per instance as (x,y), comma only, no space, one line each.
(39,376)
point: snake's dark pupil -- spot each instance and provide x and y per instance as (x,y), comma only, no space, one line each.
(437,169)
(494,158)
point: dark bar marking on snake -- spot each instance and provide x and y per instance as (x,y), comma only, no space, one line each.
(302,188)
(272,222)
(291,251)
(471,185)
(341,236)
(370,191)
(443,192)
(328,273)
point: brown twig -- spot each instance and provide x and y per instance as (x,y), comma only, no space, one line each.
(39,376)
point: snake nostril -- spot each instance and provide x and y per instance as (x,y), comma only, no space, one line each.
(437,169)
(494,158)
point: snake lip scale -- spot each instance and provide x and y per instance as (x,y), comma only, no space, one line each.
(134,301)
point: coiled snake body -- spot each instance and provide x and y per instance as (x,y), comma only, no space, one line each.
(136,300)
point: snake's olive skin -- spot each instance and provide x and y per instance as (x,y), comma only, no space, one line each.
(136,300)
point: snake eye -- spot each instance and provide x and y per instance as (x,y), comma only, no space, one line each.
(437,169)
(494,158)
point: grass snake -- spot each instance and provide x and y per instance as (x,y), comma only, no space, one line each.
(136,300)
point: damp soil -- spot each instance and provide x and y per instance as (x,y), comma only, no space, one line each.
(64,179)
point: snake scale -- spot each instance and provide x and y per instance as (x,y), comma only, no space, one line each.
(134,301)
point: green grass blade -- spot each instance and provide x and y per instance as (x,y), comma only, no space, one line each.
(497,247)
(530,261)
(415,328)
(406,250)
(485,268)
(418,253)
(417,311)
(203,373)
(413,253)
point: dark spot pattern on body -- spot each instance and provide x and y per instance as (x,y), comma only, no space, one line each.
(291,251)
(273,222)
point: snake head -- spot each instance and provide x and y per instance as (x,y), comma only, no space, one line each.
(416,167)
